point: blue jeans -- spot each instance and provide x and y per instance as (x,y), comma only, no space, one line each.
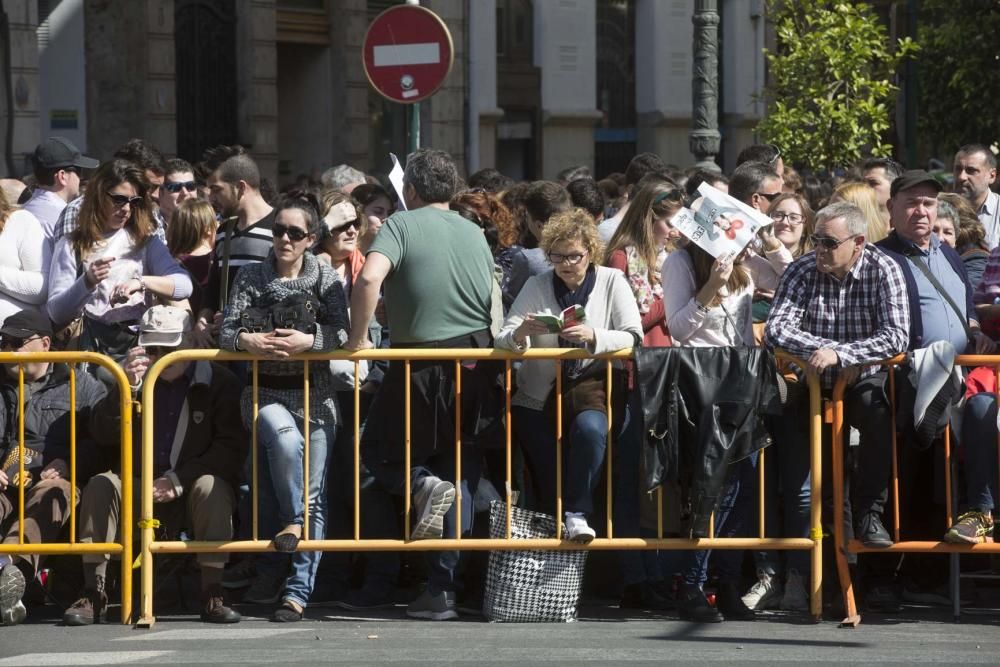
(979,437)
(582,459)
(731,519)
(786,464)
(282,488)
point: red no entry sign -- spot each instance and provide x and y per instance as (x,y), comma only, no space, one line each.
(408,53)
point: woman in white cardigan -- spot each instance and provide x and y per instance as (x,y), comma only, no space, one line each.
(612,322)
(22,264)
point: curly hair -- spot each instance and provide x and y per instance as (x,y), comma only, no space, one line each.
(490,214)
(969,231)
(574,225)
(97,207)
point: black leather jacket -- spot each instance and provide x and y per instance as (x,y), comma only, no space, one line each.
(701,408)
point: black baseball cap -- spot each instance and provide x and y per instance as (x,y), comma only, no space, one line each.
(56,152)
(25,324)
(912,178)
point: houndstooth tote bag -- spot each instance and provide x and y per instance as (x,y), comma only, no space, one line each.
(530,586)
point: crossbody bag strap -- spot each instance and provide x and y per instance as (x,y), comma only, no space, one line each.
(937,285)
(224,278)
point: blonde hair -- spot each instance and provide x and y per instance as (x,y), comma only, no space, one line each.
(192,222)
(573,225)
(863,196)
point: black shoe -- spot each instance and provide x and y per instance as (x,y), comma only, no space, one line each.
(693,606)
(214,609)
(872,533)
(730,604)
(642,596)
(882,599)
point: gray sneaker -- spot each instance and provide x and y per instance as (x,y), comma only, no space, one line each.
(432,498)
(12,611)
(265,589)
(440,607)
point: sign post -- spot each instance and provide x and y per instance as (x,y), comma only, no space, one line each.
(408,53)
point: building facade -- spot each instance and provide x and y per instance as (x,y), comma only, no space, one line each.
(537,85)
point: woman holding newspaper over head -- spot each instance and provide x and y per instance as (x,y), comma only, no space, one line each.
(707,297)
(577,303)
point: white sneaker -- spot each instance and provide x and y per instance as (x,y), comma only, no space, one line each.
(765,594)
(432,498)
(577,528)
(795,597)
(12,584)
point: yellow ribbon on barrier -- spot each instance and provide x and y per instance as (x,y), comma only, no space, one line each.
(816,534)
(149,523)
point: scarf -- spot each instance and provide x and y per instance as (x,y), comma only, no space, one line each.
(578,297)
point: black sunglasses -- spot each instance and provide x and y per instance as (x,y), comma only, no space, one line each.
(174,188)
(121,200)
(158,350)
(770,196)
(343,228)
(674,195)
(294,234)
(827,243)
(15,343)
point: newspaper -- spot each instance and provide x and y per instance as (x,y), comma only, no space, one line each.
(719,224)
(396,178)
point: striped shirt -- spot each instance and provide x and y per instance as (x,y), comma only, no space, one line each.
(247,246)
(989,215)
(863,318)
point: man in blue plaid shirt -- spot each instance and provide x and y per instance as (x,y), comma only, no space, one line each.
(843,305)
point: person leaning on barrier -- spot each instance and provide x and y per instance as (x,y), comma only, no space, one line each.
(437,271)
(198,451)
(310,298)
(47,451)
(840,307)
(612,322)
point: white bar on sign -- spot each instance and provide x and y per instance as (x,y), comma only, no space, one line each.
(407,94)
(427,53)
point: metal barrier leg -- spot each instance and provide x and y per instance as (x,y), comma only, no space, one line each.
(851,616)
(815,498)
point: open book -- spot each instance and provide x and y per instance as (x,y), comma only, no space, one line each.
(571,316)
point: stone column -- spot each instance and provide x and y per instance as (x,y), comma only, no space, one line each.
(256,74)
(483,113)
(22,75)
(130,74)
(442,116)
(663,65)
(350,117)
(743,69)
(705,136)
(566,53)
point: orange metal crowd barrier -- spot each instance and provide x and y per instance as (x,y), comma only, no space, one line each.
(843,547)
(151,547)
(122,549)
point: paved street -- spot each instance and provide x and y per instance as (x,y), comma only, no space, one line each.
(603,635)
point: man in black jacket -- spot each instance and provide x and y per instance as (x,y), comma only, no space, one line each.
(46,451)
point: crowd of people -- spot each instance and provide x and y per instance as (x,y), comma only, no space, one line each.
(139,255)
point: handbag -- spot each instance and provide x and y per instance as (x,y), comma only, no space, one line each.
(530,586)
(296,311)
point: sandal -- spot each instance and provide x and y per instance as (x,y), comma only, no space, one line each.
(287,613)
(288,539)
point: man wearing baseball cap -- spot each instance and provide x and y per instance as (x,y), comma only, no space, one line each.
(941,311)
(57,165)
(46,451)
(199,447)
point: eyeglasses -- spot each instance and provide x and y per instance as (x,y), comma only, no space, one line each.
(827,243)
(573,260)
(174,188)
(121,200)
(769,196)
(792,218)
(672,195)
(343,228)
(15,343)
(294,234)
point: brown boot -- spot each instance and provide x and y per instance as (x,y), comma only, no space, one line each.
(91,608)
(214,609)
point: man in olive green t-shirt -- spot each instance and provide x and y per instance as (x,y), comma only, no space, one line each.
(437,272)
